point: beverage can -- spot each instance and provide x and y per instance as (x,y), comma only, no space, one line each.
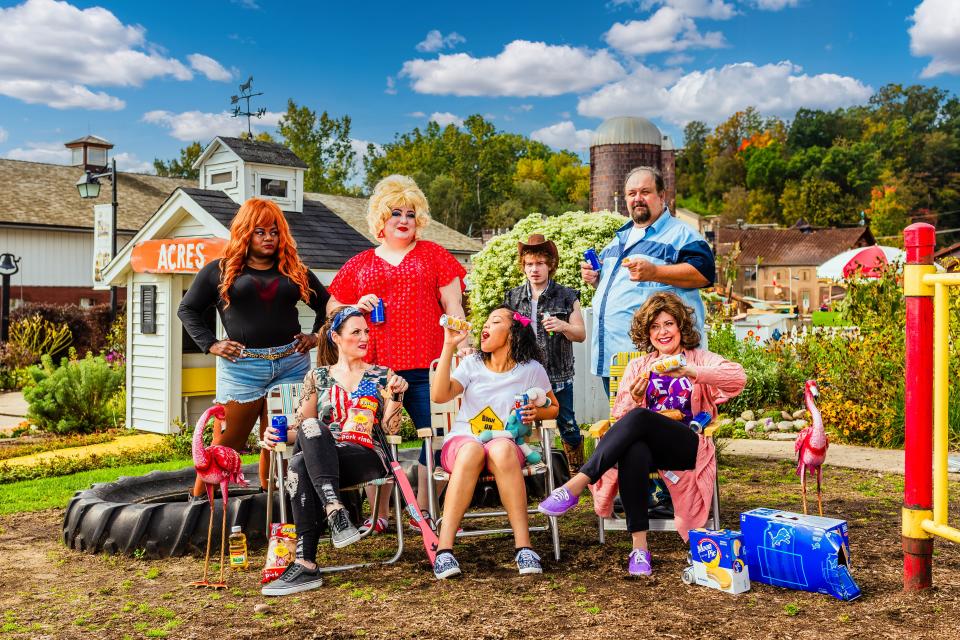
(454,324)
(700,421)
(378,314)
(590,255)
(520,400)
(669,363)
(280,424)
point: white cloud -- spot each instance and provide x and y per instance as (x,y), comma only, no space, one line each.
(130,163)
(49,152)
(564,135)
(435,41)
(936,33)
(774,5)
(678,59)
(714,94)
(3,134)
(668,29)
(714,9)
(445,118)
(417,114)
(523,68)
(522,107)
(209,67)
(198,125)
(391,86)
(246,4)
(51,52)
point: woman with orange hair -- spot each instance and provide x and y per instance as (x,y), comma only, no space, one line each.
(255,287)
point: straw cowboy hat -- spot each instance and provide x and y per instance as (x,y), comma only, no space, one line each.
(538,242)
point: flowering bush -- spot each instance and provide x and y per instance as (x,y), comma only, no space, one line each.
(495,269)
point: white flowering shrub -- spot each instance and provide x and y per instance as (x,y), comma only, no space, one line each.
(495,267)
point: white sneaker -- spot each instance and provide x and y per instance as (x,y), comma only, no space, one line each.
(528,561)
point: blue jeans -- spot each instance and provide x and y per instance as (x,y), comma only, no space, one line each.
(250,379)
(567,420)
(606,385)
(417,403)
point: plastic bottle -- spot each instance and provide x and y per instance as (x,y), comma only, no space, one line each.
(238,549)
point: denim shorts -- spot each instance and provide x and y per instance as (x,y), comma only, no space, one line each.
(250,379)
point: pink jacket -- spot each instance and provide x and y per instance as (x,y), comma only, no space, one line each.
(718,380)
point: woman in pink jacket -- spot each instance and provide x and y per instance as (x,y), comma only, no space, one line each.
(644,439)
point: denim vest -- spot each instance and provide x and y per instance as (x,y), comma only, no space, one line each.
(558,301)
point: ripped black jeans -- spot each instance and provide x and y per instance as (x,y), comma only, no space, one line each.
(319,467)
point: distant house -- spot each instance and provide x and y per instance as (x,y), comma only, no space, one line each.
(781,264)
(45,222)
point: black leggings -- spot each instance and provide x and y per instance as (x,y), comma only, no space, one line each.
(641,442)
(314,477)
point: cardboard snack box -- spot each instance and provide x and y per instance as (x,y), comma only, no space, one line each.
(791,550)
(718,560)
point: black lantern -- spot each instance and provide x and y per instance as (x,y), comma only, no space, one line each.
(9,265)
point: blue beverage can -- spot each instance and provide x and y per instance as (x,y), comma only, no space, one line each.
(280,424)
(590,255)
(377,314)
(520,400)
(700,421)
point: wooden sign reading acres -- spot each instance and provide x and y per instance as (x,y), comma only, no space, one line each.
(180,255)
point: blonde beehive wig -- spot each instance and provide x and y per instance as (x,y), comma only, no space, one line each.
(392,192)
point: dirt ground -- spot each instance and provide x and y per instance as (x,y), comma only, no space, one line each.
(48,591)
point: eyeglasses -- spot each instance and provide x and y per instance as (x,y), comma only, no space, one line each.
(396,213)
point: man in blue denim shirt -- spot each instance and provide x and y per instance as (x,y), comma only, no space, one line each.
(554,311)
(664,254)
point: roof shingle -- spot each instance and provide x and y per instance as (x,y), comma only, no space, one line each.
(790,247)
(324,241)
(263,152)
(46,195)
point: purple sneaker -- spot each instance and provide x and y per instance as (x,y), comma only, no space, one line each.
(639,563)
(558,502)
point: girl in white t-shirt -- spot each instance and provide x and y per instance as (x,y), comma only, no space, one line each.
(506,365)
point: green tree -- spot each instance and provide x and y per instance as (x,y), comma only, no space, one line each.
(181,167)
(323,143)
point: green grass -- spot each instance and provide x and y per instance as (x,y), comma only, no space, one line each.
(47,493)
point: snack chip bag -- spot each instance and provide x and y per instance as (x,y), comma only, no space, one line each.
(281,550)
(361,415)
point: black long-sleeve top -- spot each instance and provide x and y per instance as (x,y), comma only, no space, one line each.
(262,311)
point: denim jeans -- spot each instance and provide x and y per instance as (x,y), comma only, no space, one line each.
(567,419)
(250,379)
(417,403)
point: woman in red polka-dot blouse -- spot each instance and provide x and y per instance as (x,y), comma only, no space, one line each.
(417,280)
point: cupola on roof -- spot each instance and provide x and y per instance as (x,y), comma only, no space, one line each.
(627,130)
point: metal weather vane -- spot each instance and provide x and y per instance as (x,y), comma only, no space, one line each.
(246,92)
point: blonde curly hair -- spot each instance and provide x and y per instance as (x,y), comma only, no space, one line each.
(391,192)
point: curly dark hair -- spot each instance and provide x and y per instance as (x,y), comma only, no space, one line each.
(653,307)
(523,342)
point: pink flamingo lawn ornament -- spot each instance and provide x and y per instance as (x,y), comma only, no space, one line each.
(811,445)
(216,465)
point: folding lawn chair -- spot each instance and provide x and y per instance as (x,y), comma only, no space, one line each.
(443,417)
(618,364)
(284,399)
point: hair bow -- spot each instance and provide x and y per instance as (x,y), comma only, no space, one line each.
(522,319)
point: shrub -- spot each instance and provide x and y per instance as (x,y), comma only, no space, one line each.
(75,397)
(495,268)
(773,378)
(88,326)
(33,337)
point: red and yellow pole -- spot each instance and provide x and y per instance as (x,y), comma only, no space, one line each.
(918,240)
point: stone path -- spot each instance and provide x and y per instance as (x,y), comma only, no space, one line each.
(839,455)
(13,410)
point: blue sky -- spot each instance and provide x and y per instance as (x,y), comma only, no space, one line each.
(152,76)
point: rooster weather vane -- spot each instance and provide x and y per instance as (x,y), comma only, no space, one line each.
(246,92)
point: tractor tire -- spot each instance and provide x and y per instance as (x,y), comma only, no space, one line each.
(150,515)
